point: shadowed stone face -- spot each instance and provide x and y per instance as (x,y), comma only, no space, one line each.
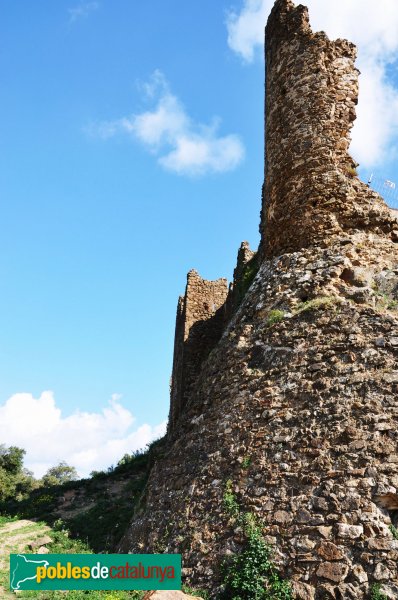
(199,324)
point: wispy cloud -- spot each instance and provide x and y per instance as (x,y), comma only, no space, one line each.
(180,144)
(87,441)
(82,10)
(375,134)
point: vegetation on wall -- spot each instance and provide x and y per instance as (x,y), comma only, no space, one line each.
(248,274)
(250,575)
(376,593)
(275,316)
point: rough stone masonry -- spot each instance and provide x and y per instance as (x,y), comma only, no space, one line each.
(311,192)
(199,324)
(293,396)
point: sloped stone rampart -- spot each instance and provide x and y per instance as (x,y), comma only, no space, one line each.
(302,416)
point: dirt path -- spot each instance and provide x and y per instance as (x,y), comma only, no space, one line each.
(14,538)
(15,525)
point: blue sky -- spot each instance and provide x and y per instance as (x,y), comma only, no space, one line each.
(131,144)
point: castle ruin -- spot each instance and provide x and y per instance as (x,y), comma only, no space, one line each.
(311,192)
(286,384)
(199,324)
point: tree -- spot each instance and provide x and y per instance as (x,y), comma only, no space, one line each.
(59,474)
(15,481)
(7,485)
(11,459)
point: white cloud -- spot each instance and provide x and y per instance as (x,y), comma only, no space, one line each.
(181,145)
(246,28)
(87,441)
(373,29)
(82,10)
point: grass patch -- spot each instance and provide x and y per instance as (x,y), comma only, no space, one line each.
(4,519)
(275,316)
(384,301)
(197,593)
(323,302)
(63,543)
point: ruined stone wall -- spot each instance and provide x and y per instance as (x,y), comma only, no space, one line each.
(310,190)
(301,415)
(199,324)
(244,272)
(297,405)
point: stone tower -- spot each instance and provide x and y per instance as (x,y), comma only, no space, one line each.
(310,192)
(296,406)
(199,324)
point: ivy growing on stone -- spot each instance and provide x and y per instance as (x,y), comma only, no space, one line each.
(250,575)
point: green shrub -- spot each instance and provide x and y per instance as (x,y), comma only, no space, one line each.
(15,481)
(230,503)
(246,462)
(384,300)
(250,575)
(61,473)
(4,519)
(392,305)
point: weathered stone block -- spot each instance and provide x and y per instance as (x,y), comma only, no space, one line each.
(333,571)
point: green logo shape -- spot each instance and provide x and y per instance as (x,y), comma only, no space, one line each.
(95,572)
